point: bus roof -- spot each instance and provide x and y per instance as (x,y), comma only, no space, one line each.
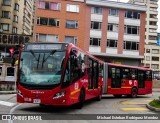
(128,66)
(70,45)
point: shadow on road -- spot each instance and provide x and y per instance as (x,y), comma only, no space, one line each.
(54,109)
(125,97)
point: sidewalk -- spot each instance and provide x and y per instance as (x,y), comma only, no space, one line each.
(156,89)
(7,92)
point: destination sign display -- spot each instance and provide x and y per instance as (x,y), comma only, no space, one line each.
(43,47)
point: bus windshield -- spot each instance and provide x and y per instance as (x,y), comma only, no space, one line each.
(41,67)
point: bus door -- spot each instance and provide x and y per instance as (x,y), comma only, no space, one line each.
(92,77)
(141,79)
(115,77)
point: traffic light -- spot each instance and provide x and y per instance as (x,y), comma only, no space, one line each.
(11,51)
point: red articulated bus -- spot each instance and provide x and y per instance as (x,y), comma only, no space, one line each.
(127,80)
(58,74)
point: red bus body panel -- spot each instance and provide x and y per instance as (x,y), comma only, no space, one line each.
(72,92)
(127,85)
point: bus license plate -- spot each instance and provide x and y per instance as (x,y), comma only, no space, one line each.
(37,101)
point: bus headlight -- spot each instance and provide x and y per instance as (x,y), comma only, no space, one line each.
(59,95)
(19,93)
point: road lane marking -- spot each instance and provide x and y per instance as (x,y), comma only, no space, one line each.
(7,103)
(132,103)
(12,110)
(134,109)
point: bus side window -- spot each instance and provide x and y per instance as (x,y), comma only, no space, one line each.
(149,75)
(74,67)
(133,74)
(90,73)
(100,70)
(125,73)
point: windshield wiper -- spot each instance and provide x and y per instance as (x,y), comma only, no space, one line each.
(44,60)
(52,52)
(38,61)
(33,54)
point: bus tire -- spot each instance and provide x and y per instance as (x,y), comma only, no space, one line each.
(99,97)
(81,99)
(117,95)
(134,92)
(42,105)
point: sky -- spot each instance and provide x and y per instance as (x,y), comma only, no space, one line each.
(158,12)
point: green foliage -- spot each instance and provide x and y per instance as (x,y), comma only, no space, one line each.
(155,103)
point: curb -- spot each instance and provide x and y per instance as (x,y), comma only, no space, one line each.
(156,90)
(7,92)
(152,108)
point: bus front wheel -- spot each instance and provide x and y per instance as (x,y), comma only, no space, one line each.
(81,99)
(117,95)
(134,92)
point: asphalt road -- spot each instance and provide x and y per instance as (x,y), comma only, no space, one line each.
(108,105)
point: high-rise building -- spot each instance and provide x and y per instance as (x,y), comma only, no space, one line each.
(112,31)
(152,51)
(16,16)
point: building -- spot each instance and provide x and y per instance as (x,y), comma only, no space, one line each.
(16,27)
(16,16)
(60,20)
(106,29)
(152,57)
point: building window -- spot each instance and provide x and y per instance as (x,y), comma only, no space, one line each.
(132,14)
(147,65)
(153,23)
(147,58)
(155,66)
(5,27)
(10,71)
(49,5)
(153,16)
(96,25)
(16,7)
(96,10)
(72,8)
(71,24)
(147,50)
(71,39)
(54,6)
(113,27)
(15,19)
(131,30)
(129,45)
(14,30)
(46,38)
(41,4)
(152,37)
(111,43)
(95,41)
(155,58)
(113,12)
(7,2)
(155,51)
(152,30)
(48,21)
(6,14)
(153,9)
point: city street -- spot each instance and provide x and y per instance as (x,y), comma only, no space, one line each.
(108,105)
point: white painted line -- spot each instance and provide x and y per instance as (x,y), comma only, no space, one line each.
(7,103)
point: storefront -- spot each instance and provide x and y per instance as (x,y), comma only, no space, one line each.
(7,72)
